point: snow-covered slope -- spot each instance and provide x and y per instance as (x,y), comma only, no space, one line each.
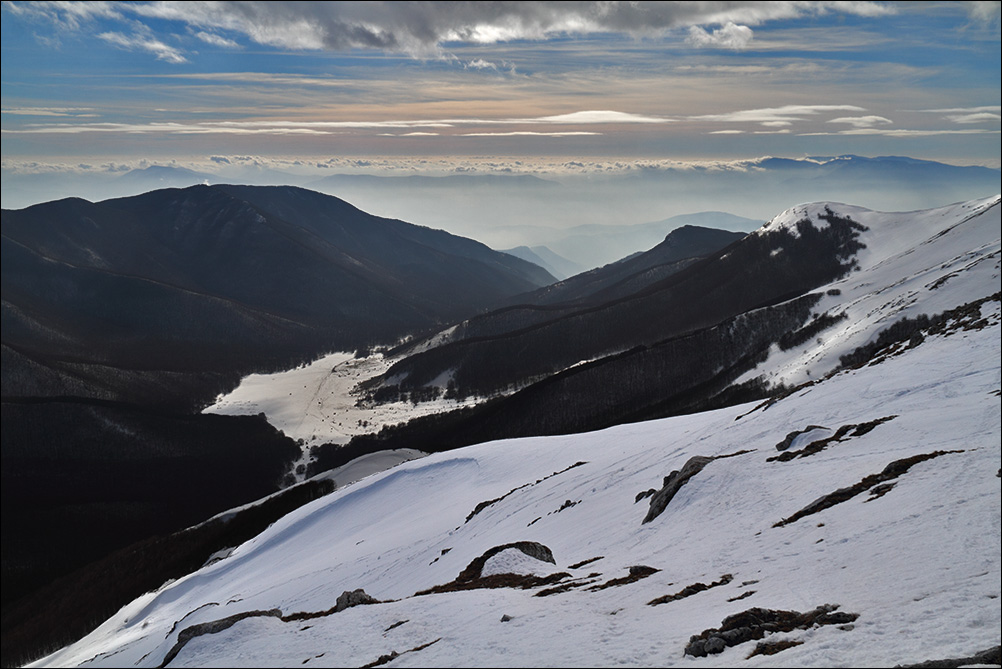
(923,262)
(875,489)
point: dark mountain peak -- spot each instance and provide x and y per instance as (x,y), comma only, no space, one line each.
(63,204)
(229,277)
(699,236)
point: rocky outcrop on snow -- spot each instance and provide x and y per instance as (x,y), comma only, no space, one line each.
(678,478)
(874,481)
(756,623)
(212,627)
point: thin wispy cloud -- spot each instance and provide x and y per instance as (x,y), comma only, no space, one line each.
(586,117)
(65,15)
(901,132)
(145,43)
(49,111)
(787,114)
(319,127)
(162,128)
(861,121)
(529,133)
(964,110)
(979,117)
(216,40)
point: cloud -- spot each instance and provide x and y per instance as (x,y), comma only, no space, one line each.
(772,115)
(729,36)
(964,110)
(64,15)
(585,117)
(165,128)
(280,127)
(216,40)
(220,160)
(424,29)
(861,121)
(144,43)
(269,78)
(978,117)
(984,12)
(527,133)
(49,111)
(726,132)
(481,64)
(891,132)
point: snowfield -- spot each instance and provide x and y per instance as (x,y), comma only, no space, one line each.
(872,490)
(320,402)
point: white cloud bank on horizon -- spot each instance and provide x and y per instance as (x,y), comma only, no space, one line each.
(325,127)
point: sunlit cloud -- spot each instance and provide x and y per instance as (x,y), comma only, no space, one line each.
(49,111)
(320,127)
(729,36)
(65,15)
(259,78)
(162,128)
(527,133)
(979,117)
(967,115)
(892,132)
(985,12)
(861,121)
(145,43)
(216,40)
(583,117)
(964,110)
(787,113)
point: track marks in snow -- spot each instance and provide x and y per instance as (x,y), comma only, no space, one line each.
(490,502)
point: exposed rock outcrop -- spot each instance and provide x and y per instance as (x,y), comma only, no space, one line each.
(755,623)
(991,657)
(890,472)
(212,627)
(678,478)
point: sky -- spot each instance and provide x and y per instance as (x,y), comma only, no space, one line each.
(577,93)
(107,84)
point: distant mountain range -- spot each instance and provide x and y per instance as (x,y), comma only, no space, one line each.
(594,245)
(555,264)
(507,210)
